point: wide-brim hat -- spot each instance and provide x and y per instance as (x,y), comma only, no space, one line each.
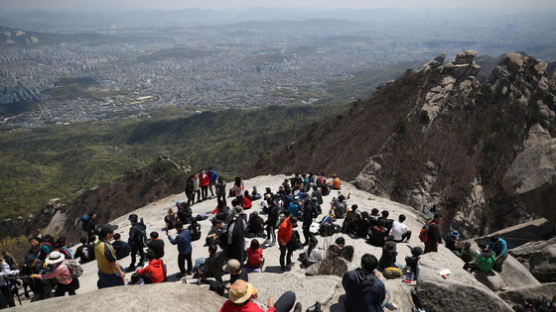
(240,291)
(54,258)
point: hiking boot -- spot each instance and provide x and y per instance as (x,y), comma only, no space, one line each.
(297,307)
(130,268)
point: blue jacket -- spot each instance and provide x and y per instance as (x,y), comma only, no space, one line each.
(183,240)
(364,292)
(213,176)
(500,248)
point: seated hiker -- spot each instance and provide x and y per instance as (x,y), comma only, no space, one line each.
(452,241)
(346,252)
(312,254)
(350,222)
(185,214)
(339,206)
(378,234)
(484,261)
(400,230)
(213,265)
(327,226)
(156,245)
(247,200)
(362,224)
(236,271)
(467,254)
(121,248)
(388,258)
(373,217)
(336,183)
(387,222)
(255,259)
(242,296)
(171,218)
(413,261)
(255,226)
(364,290)
(331,265)
(155,271)
(500,247)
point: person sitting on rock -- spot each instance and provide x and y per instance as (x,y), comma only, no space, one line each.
(242,297)
(236,271)
(346,252)
(364,290)
(255,226)
(413,262)
(451,242)
(331,265)
(85,252)
(400,230)
(171,218)
(363,224)
(336,183)
(378,234)
(247,200)
(484,261)
(312,254)
(155,271)
(387,222)
(350,222)
(388,258)
(255,258)
(156,245)
(500,247)
(213,265)
(122,248)
(373,217)
(466,253)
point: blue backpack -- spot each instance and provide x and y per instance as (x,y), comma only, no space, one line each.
(84,222)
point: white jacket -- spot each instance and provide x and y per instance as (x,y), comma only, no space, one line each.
(6,272)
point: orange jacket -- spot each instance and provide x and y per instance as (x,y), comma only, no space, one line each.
(336,183)
(285,232)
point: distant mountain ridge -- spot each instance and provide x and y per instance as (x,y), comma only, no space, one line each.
(436,136)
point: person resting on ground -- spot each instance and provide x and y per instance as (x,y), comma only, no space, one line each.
(413,262)
(155,271)
(452,242)
(242,297)
(312,254)
(364,290)
(388,258)
(331,265)
(484,261)
(255,259)
(346,252)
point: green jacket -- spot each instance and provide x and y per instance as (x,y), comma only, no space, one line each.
(485,260)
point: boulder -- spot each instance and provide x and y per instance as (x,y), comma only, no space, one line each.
(155,297)
(514,274)
(518,295)
(539,258)
(458,292)
(532,177)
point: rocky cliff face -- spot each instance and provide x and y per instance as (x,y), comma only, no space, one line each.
(437,135)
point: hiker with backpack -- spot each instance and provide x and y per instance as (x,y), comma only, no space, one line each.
(271,221)
(85,252)
(61,248)
(88,224)
(484,261)
(57,266)
(500,247)
(430,234)
(136,240)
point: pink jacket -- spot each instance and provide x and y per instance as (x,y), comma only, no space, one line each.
(61,273)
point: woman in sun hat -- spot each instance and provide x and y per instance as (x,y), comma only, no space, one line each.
(56,267)
(241,298)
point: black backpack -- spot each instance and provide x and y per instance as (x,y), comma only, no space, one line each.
(195,230)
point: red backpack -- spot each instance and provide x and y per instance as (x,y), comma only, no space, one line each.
(424,233)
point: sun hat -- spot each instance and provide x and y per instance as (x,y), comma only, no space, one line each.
(240,292)
(55,257)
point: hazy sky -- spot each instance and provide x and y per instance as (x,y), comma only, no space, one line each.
(223,4)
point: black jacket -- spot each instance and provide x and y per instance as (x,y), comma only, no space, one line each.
(364,292)
(157,246)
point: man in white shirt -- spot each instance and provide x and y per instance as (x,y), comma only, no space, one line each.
(400,230)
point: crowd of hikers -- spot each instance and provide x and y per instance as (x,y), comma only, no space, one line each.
(51,269)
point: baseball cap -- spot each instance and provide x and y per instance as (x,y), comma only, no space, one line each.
(107,228)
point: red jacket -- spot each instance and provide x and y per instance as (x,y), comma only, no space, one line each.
(229,306)
(254,257)
(204,180)
(155,271)
(246,202)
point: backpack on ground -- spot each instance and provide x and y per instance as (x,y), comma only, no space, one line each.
(314,308)
(195,230)
(392,272)
(424,233)
(84,222)
(75,268)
